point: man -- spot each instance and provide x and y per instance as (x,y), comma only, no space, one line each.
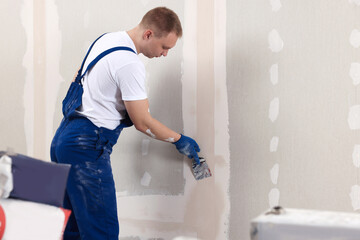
(107,95)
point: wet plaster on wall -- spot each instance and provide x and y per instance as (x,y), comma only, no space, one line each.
(13,71)
(208,198)
(221,116)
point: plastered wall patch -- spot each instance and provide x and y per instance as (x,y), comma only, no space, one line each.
(274,143)
(274,173)
(356,156)
(274,109)
(355,197)
(355,38)
(145,147)
(146,179)
(274,196)
(354,117)
(276,44)
(355,73)
(274,74)
(275,5)
(221,117)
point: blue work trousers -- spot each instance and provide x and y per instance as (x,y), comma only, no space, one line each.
(90,193)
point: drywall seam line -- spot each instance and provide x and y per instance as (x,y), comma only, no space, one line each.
(39,78)
(189,84)
(221,114)
(276,45)
(189,68)
(53,76)
(353,118)
(28,98)
(208,189)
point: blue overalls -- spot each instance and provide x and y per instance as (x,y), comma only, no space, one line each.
(90,193)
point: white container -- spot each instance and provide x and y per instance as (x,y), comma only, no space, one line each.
(23,220)
(300,224)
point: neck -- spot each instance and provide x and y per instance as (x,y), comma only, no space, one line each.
(134,35)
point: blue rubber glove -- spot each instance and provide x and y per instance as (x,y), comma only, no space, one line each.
(188,147)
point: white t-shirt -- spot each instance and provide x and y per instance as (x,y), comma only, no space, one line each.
(117,77)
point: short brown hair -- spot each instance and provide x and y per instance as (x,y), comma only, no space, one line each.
(162,21)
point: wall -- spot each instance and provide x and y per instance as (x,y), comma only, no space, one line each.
(12,102)
(292,81)
(270,85)
(158,197)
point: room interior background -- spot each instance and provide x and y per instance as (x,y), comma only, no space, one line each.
(269,89)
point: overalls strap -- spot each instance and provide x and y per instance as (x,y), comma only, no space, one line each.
(101,55)
(73,98)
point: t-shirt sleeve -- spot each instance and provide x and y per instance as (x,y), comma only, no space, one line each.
(131,81)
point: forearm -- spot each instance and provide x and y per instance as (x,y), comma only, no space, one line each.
(155,129)
(144,122)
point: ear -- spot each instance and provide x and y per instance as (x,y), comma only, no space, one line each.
(147,34)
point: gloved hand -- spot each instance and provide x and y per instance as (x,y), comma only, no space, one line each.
(188,147)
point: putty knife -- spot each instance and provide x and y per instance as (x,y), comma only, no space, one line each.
(201,170)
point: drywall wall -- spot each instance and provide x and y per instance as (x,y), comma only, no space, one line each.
(13,71)
(292,81)
(158,197)
(278,80)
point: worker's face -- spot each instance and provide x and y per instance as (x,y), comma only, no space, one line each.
(157,47)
